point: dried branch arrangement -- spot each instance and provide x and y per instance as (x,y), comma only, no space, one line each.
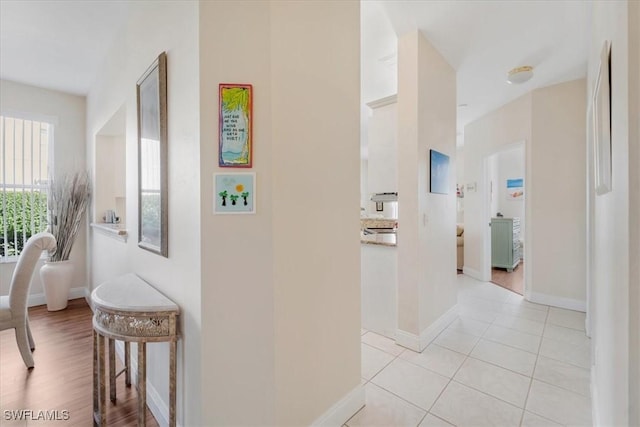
(68,201)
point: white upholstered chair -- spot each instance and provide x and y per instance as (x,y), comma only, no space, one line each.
(13,310)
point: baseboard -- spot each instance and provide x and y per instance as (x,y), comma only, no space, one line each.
(157,406)
(438,326)
(472,272)
(343,409)
(74,293)
(561,302)
(595,413)
(408,340)
(419,343)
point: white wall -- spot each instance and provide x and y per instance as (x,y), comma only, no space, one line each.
(493,167)
(281,288)
(150,29)
(484,137)
(634,226)
(613,234)
(460,181)
(239,312)
(110,176)
(556,196)
(426,233)
(378,59)
(551,122)
(383,147)
(68,115)
(364,185)
(378,79)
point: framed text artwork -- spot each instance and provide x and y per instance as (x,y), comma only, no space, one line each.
(236,126)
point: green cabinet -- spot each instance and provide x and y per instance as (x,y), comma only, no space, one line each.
(505,243)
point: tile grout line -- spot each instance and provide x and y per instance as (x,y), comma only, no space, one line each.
(506,345)
(386,364)
(428,411)
(535,365)
(520,373)
(399,397)
(498,366)
(367,381)
(440,418)
(511,346)
(422,419)
(467,356)
(428,370)
(487,394)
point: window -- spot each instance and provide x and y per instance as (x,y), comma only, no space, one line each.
(24,170)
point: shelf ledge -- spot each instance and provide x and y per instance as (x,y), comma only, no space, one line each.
(117,231)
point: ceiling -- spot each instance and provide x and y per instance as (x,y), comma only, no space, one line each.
(62,44)
(482,41)
(57,44)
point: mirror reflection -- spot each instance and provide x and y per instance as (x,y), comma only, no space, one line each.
(152,158)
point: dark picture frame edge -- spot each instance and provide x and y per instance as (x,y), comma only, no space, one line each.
(159,65)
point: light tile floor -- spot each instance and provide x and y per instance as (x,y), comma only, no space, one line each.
(504,362)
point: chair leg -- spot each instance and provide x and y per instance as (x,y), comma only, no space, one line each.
(23,344)
(32,343)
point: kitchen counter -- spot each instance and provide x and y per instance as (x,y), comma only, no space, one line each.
(378,223)
(382,239)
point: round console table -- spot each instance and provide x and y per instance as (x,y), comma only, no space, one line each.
(129,309)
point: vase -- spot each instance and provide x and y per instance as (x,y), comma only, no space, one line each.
(56,282)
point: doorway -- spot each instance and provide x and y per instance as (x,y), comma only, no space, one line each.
(505,209)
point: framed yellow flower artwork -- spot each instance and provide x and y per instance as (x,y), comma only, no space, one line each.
(234,193)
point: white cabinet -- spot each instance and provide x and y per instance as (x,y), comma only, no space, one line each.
(382,146)
(379,284)
(505,243)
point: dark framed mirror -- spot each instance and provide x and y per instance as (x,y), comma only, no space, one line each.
(151,92)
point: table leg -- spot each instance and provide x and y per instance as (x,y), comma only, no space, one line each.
(95,378)
(142,385)
(101,381)
(127,363)
(172,383)
(112,369)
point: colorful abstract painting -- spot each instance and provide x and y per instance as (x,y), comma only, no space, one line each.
(235,148)
(234,193)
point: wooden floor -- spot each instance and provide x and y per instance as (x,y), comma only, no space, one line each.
(62,378)
(513,281)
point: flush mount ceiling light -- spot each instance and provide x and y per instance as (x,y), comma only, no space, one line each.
(520,74)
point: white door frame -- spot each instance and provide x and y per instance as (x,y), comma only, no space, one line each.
(486,211)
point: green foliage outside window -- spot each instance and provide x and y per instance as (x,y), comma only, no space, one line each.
(151,217)
(22,214)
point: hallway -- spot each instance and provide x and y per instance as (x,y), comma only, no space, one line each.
(503,362)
